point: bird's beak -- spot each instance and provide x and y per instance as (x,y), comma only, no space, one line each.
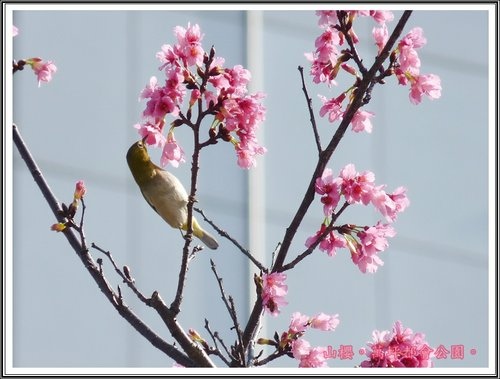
(144,139)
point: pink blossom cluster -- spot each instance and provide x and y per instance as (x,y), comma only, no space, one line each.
(361,121)
(328,58)
(398,348)
(300,348)
(408,71)
(237,113)
(273,292)
(42,69)
(366,242)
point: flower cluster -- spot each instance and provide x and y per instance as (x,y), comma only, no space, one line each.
(42,69)
(222,91)
(365,242)
(301,349)
(273,289)
(408,71)
(398,348)
(329,57)
(70,211)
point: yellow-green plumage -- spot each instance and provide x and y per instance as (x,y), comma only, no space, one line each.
(164,192)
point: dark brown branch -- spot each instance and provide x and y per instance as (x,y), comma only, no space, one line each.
(323,235)
(224,234)
(215,337)
(274,355)
(168,316)
(89,263)
(229,303)
(322,162)
(344,28)
(195,167)
(311,112)
(126,279)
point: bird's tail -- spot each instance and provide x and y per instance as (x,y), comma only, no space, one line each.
(204,236)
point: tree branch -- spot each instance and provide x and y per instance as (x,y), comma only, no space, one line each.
(229,303)
(311,112)
(89,263)
(225,234)
(324,158)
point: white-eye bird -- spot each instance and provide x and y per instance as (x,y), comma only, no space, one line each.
(164,192)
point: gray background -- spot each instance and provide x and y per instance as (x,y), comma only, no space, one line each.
(80,126)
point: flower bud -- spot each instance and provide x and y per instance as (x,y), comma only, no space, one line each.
(59,227)
(79,190)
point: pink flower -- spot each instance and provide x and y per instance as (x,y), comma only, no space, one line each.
(390,205)
(246,153)
(172,152)
(399,348)
(299,323)
(380,35)
(152,133)
(381,17)
(333,107)
(365,263)
(409,62)
(300,348)
(374,238)
(325,44)
(15,31)
(327,18)
(414,39)
(43,70)
(315,358)
(361,121)
(357,187)
(167,56)
(329,187)
(429,85)
(189,44)
(329,244)
(325,322)
(273,293)
(80,190)
(399,197)
(164,100)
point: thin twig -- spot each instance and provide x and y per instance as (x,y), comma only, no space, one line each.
(323,160)
(229,303)
(344,28)
(195,167)
(226,235)
(276,354)
(313,246)
(311,112)
(126,279)
(89,263)
(215,337)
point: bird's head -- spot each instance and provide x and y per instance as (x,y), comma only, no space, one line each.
(138,161)
(137,153)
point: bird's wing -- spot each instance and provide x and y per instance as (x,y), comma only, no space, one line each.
(167,196)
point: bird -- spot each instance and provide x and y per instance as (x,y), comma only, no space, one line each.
(164,192)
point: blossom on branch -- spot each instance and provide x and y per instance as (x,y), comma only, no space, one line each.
(273,293)
(398,348)
(42,69)
(189,70)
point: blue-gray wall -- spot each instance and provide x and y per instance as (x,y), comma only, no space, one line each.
(79,126)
